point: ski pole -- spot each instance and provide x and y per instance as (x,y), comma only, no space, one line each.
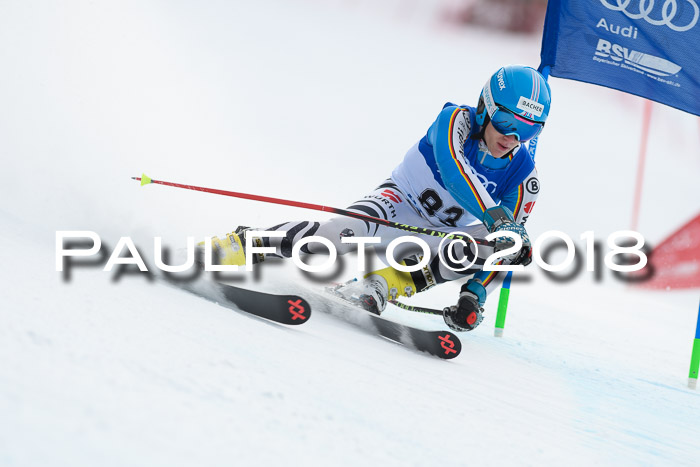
(145,180)
(417,309)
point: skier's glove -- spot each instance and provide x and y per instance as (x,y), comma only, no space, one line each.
(500,219)
(468,312)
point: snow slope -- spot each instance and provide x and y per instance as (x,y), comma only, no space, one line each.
(314,101)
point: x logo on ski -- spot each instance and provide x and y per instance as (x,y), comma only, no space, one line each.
(446,341)
(296,309)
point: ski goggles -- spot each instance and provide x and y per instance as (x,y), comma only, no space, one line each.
(507,123)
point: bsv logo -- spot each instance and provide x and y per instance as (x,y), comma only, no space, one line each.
(645,62)
(669,12)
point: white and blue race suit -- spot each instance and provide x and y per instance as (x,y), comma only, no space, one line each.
(446,181)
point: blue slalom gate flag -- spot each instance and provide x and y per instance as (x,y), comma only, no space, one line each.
(643,47)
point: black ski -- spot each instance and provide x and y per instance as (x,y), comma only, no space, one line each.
(443,344)
(285,309)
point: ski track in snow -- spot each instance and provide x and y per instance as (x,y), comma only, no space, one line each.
(299,100)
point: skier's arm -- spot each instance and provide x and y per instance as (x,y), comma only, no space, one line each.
(522,199)
(520,202)
(447,136)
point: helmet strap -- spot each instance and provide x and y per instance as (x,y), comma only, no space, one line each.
(480,134)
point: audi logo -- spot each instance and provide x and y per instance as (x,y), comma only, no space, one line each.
(668,12)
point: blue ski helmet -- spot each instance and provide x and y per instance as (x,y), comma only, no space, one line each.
(516,100)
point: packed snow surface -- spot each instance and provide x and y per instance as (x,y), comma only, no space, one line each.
(317,102)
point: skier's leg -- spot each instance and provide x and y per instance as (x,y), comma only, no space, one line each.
(385,202)
(374,290)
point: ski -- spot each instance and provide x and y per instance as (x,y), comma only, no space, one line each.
(286,309)
(442,344)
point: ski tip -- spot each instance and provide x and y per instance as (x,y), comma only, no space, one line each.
(145,179)
(692,383)
(498,332)
(450,346)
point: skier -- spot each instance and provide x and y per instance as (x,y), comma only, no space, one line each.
(470,173)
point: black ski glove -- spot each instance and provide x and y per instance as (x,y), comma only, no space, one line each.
(466,315)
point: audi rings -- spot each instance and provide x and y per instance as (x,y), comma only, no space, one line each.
(668,12)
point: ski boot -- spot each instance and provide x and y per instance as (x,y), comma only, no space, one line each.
(370,293)
(230,249)
(376,289)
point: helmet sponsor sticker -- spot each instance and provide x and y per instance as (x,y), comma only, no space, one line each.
(530,106)
(501,80)
(488,99)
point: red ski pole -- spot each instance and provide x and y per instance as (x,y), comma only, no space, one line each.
(145,180)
